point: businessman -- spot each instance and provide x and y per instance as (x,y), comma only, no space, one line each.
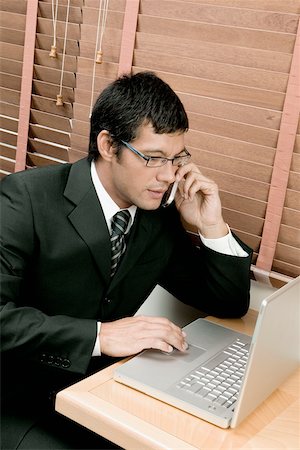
(84,244)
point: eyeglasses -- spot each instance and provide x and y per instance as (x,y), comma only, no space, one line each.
(158,161)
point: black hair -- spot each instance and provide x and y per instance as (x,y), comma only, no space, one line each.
(132,100)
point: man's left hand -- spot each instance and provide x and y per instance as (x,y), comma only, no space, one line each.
(198,202)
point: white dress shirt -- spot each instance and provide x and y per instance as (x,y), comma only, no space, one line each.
(226,244)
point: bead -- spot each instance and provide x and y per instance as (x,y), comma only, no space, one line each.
(53,53)
(59,101)
(99,57)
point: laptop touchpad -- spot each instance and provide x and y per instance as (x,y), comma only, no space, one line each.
(189,355)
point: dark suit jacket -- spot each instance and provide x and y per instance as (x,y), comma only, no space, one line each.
(55,264)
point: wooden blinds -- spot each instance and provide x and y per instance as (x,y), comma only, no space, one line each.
(50,125)
(230,62)
(12,22)
(91,77)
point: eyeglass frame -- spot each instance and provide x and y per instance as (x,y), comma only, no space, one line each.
(149,158)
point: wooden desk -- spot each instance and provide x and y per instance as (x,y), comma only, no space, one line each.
(136,421)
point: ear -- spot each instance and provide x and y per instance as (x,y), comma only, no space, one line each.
(105,146)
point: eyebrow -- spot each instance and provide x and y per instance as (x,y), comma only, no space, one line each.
(145,152)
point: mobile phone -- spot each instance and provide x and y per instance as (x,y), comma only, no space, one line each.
(169,195)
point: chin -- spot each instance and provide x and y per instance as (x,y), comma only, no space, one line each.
(148,206)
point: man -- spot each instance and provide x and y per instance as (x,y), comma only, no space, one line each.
(69,294)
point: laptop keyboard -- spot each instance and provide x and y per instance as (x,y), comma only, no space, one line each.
(219,379)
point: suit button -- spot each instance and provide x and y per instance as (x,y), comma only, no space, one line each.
(65,363)
(50,359)
(107,300)
(58,361)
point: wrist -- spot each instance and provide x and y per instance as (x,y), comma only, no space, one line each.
(214,231)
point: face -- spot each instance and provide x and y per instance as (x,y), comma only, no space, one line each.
(129,181)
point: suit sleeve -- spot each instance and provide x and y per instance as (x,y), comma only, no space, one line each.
(26,331)
(215,283)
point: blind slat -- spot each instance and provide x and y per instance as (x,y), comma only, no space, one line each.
(261,20)
(248,114)
(210,51)
(234,130)
(215,71)
(231,147)
(242,37)
(217,89)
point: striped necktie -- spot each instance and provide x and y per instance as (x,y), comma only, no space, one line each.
(117,237)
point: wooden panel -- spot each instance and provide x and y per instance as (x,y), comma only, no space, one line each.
(292,199)
(290,6)
(9,124)
(238,185)
(8,151)
(47,151)
(112,36)
(50,120)
(286,268)
(210,51)
(217,89)
(12,36)
(11,50)
(65,2)
(45,26)
(44,42)
(49,135)
(288,254)
(12,20)
(233,166)
(80,143)
(50,90)
(289,236)
(8,137)
(53,76)
(9,110)
(290,217)
(212,107)
(34,159)
(7,165)
(15,6)
(10,81)
(295,165)
(264,20)
(226,146)
(11,66)
(114,18)
(45,11)
(243,204)
(81,128)
(216,71)
(115,5)
(42,58)
(242,37)
(47,105)
(84,83)
(9,96)
(233,130)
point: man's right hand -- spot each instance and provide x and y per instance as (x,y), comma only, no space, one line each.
(131,335)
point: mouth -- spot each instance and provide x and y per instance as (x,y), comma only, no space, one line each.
(156,194)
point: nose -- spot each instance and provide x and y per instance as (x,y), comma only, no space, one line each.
(167,173)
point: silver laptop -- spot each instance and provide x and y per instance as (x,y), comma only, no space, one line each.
(224,375)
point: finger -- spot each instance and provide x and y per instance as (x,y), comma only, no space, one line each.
(175,338)
(164,330)
(162,321)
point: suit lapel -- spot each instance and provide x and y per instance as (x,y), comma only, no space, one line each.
(88,220)
(87,216)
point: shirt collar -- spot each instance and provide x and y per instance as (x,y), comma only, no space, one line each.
(109,207)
